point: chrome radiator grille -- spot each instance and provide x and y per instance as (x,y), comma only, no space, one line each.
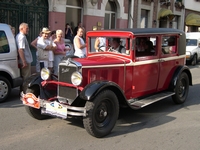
(65,72)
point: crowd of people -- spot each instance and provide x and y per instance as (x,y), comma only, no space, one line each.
(50,47)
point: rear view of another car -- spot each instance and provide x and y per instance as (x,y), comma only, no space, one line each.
(9,70)
(192,47)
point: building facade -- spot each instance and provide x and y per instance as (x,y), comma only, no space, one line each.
(192,16)
(109,14)
(95,14)
(98,14)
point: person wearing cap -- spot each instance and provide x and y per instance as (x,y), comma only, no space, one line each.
(116,45)
(45,50)
(24,51)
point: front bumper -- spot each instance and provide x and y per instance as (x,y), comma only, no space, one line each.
(52,107)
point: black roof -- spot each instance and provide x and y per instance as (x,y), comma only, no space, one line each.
(149,30)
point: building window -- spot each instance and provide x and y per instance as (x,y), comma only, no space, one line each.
(144,18)
(74,12)
(110,17)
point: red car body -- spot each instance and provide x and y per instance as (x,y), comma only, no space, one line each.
(109,79)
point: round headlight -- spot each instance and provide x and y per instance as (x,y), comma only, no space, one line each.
(76,78)
(45,74)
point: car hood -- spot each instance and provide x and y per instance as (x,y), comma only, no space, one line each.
(103,59)
(190,48)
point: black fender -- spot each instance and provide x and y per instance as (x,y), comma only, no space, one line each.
(176,76)
(92,89)
(34,80)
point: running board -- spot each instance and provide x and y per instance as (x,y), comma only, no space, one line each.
(138,104)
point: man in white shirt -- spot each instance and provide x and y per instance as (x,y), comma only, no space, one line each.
(45,50)
(24,51)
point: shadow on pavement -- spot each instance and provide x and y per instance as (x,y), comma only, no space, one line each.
(13,100)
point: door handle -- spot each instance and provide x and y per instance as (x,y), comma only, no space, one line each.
(161,60)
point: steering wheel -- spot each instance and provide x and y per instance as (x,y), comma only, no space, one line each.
(101,48)
(110,49)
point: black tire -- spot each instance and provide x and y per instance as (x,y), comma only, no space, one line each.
(5,88)
(33,112)
(102,115)
(194,60)
(181,89)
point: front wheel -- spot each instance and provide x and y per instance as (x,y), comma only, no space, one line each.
(33,112)
(102,114)
(181,89)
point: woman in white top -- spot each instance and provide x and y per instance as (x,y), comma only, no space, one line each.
(100,44)
(79,44)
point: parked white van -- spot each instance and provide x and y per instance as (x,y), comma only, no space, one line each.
(9,69)
(192,47)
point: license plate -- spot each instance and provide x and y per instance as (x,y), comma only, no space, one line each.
(56,109)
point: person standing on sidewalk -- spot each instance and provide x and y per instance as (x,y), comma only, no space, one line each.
(79,44)
(24,51)
(60,51)
(45,49)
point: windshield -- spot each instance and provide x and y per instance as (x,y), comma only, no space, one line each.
(109,44)
(191,42)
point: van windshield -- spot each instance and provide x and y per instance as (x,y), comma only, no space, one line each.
(191,42)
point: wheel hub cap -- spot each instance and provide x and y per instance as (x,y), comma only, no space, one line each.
(3,89)
(103,113)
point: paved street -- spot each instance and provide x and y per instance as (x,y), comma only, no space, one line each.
(161,126)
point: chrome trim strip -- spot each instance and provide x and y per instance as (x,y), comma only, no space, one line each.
(141,62)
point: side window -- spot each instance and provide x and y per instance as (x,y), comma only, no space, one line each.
(146,46)
(4,47)
(169,44)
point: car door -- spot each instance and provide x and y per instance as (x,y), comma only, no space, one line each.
(168,61)
(145,70)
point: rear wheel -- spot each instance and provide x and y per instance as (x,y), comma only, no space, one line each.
(102,114)
(5,88)
(181,89)
(33,112)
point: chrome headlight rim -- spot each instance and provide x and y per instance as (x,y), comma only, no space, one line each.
(45,73)
(76,78)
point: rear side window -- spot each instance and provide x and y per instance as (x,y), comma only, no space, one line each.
(4,46)
(169,44)
(146,46)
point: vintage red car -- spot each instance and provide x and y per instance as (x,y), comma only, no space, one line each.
(149,66)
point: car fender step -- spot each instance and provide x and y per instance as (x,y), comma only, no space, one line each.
(138,104)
